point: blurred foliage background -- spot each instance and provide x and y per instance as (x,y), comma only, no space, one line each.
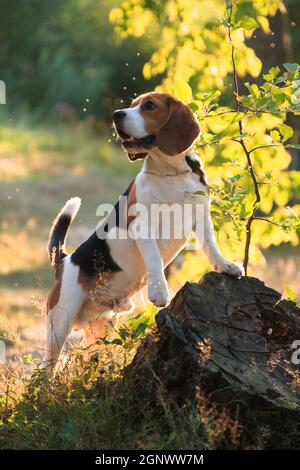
(67,64)
(68,51)
(56,54)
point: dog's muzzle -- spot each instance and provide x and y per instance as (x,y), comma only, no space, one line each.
(145,142)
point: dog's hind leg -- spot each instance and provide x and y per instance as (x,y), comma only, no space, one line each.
(61,316)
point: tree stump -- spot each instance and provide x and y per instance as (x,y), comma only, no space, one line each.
(232,339)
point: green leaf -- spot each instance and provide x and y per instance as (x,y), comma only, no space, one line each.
(244,211)
(254,90)
(278,95)
(29,359)
(248,23)
(291,67)
(117,341)
(290,405)
(123,333)
(235,178)
(275,136)
(194,106)
(237,117)
(140,329)
(286,132)
(183,91)
(268,175)
(290,294)
(273,72)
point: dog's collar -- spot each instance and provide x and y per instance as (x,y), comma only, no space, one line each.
(166,174)
(168,170)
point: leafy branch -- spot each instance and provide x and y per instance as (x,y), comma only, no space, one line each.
(250,136)
(247,153)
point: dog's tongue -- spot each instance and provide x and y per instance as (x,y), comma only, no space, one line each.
(133,143)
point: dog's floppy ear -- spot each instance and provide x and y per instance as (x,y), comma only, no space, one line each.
(179,131)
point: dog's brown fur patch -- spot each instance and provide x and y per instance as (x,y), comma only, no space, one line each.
(131,200)
(54,294)
(171,121)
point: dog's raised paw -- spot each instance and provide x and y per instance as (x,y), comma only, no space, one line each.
(158,293)
(228,267)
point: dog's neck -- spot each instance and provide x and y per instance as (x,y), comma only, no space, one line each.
(164,165)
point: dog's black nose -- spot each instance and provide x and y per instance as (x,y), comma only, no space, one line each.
(119,114)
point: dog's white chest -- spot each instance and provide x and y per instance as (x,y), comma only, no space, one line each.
(171,203)
(153,189)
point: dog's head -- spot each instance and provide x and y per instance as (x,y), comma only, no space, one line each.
(156,120)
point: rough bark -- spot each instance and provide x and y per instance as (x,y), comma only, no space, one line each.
(232,339)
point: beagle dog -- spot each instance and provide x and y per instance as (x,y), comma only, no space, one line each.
(99,278)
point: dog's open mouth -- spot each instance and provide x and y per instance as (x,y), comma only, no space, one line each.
(130,142)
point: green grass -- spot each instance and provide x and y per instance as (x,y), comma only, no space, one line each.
(96,408)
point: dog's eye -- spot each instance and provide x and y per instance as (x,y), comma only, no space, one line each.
(149,105)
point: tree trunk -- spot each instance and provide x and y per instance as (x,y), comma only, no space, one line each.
(231,339)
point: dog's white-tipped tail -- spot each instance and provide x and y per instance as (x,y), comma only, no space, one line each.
(56,245)
(71,207)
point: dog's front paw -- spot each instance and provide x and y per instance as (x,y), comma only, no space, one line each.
(158,292)
(234,269)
